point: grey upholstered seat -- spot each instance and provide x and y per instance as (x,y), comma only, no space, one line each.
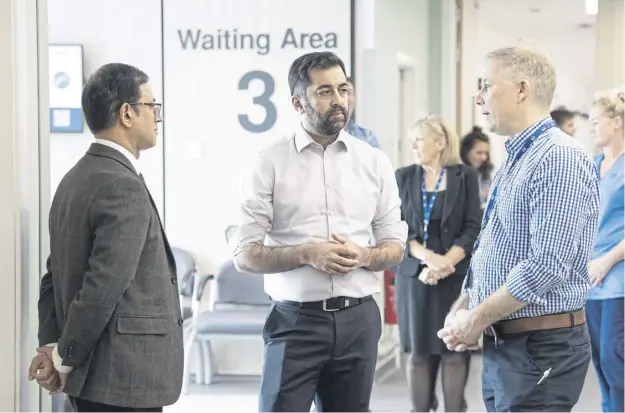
(186,271)
(231,322)
(238,308)
(238,288)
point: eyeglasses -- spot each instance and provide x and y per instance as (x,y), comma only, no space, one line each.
(156,107)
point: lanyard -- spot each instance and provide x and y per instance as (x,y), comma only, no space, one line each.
(428,206)
(529,141)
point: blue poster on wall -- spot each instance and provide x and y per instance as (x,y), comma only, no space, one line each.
(66,83)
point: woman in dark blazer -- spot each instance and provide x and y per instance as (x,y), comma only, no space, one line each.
(441,205)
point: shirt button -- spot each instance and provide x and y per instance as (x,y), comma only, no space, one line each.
(180,321)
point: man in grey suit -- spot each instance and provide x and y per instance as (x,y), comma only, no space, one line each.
(109,312)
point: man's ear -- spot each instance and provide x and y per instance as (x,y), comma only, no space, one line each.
(124,115)
(523,90)
(297,103)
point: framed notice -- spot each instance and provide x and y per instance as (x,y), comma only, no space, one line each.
(66,83)
(226,96)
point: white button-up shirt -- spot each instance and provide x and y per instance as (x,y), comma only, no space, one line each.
(299,193)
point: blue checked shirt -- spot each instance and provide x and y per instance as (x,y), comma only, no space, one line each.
(542,227)
(363,134)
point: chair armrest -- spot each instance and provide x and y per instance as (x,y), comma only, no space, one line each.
(201,285)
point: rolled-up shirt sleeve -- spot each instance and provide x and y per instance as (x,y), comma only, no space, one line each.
(255,207)
(388,226)
(563,201)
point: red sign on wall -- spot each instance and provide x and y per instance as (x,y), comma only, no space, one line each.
(390,310)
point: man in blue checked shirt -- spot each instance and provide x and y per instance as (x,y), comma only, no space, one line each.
(351,127)
(526,287)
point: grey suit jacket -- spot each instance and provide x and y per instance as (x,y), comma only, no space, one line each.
(109,297)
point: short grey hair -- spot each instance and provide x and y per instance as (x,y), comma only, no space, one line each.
(531,63)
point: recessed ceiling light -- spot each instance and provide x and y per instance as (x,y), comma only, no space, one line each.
(592,7)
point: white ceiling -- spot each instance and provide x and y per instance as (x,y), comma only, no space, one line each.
(553,25)
(535,17)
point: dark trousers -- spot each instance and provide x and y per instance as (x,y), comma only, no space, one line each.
(605,323)
(314,354)
(82,405)
(513,369)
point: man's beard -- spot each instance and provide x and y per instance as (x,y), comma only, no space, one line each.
(323,124)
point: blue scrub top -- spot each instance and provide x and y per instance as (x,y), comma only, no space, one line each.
(611,229)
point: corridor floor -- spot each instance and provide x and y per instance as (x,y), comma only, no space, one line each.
(240,394)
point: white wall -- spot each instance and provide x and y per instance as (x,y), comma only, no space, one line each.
(23,124)
(470,68)
(385,30)
(110,31)
(397,26)
(610,55)
(9,305)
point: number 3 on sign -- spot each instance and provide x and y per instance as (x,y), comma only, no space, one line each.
(264,100)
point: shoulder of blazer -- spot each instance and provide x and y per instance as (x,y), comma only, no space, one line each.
(406,170)
(463,170)
(469,171)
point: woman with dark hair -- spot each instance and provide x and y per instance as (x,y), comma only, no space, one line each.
(475,152)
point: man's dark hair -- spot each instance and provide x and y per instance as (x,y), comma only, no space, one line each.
(299,74)
(107,90)
(468,142)
(561,115)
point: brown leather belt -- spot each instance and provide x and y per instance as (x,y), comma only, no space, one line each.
(545,322)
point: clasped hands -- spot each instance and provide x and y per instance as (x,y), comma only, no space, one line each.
(42,369)
(462,330)
(340,256)
(437,268)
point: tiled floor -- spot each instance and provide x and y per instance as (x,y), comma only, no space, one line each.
(240,394)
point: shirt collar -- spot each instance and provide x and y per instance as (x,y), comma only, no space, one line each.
(303,139)
(133,159)
(515,144)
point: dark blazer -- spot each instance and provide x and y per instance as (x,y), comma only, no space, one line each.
(461,220)
(109,297)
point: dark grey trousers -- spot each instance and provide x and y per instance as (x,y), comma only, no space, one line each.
(513,369)
(314,354)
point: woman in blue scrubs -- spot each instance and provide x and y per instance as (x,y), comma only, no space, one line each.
(604,309)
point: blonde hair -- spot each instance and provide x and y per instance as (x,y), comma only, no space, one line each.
(438,128)
(530,62)
(611,101)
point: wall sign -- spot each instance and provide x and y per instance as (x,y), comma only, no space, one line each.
(66,83)
(226,96)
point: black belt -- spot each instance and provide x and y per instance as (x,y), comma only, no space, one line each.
(331,304)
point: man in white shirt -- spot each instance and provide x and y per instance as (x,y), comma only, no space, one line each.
(109,312)
(306,218)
